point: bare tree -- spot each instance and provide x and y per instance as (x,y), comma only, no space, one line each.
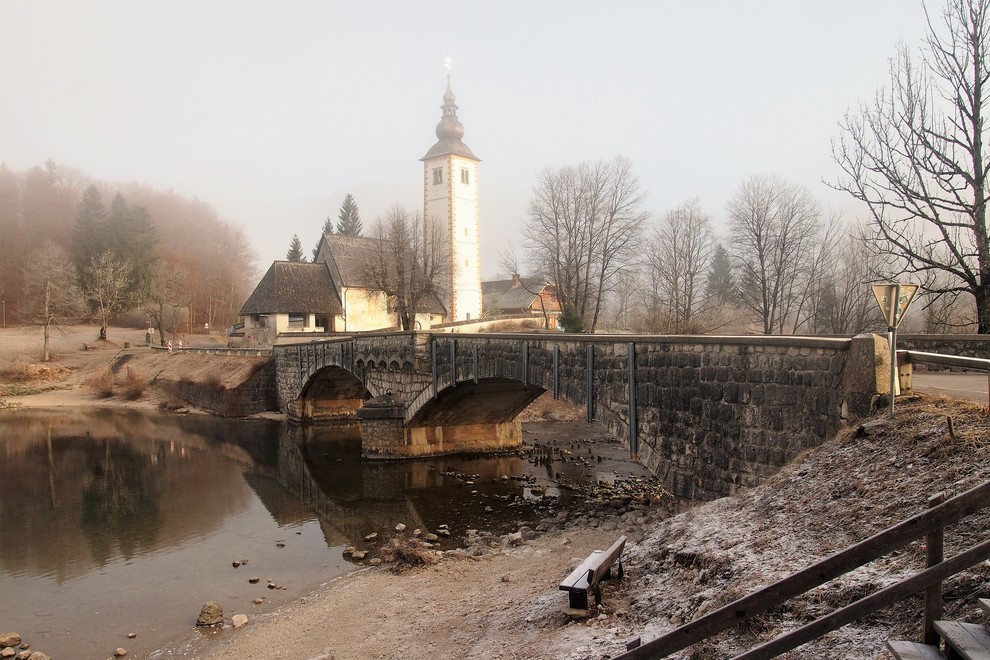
(55,298)
(583,222)
(408,262)
(108,281)
(166,292)
(679,253)
(841,303)
(915,156)
(774,233)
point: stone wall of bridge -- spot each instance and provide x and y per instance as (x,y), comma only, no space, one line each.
(706,414)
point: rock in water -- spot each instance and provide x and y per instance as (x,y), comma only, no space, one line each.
(239,620)
(10,639)
(211,615)
(7,652)
(400,527)
(120,653)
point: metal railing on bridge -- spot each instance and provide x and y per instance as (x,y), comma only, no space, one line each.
(955,361)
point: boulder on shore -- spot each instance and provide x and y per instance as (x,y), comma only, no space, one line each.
(211,615)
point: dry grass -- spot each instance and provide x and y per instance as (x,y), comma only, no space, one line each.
(134,385)
(213,380)
(13,368)
(405,553)
(101,384)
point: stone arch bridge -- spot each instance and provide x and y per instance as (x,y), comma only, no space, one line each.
(706,414)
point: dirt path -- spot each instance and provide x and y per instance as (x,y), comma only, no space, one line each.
(505,606)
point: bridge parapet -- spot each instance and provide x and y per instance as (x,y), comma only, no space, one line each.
(709,414)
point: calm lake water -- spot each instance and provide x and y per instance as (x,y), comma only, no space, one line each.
(114,522)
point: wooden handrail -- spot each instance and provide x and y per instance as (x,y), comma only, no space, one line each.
(758,602)
(873,602)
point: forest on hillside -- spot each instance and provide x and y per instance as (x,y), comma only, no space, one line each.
(73,248)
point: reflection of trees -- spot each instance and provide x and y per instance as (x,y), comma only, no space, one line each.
(122,504)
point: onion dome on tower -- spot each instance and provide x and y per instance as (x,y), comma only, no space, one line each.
(450,130)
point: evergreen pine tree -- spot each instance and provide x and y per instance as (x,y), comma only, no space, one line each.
(131,237)
(327,229)
(295,252)
(87,236)
(721,282)
(349,221)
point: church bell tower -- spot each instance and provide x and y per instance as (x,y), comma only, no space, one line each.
(450,185)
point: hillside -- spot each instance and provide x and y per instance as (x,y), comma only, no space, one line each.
(868,478)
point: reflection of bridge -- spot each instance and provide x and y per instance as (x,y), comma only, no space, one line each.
(706,413)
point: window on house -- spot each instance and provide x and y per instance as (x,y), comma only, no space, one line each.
(465,175)
(437,175)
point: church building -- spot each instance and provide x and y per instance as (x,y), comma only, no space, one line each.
(333,293)
(450,182)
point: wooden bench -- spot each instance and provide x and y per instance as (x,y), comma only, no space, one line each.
(587,576)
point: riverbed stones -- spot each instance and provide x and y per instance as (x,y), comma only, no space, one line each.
(38,655)
(400,527)
(210,616)
(359,555)
(254,579)
(239,620)
(10,639)
(8,652)
(371,537)
(120,653)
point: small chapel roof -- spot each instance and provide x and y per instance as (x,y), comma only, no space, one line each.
(291,286)
(519,293)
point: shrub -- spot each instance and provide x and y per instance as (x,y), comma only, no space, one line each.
(406,552)
(101,384)
(213,381)
(134,385)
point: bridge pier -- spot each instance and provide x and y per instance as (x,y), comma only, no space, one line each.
(384,433)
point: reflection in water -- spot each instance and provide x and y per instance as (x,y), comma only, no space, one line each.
(117,521)
(121,506)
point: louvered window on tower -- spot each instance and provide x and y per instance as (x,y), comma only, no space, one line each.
(437,175)
(465,175)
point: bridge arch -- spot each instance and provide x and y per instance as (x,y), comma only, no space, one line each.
(329,394)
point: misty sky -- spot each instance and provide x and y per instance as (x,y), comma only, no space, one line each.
(272,112)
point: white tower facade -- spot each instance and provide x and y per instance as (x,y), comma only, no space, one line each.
(450,197)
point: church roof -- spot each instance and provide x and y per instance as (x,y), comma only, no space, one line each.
(350,256)
(348,263)
(510,295)
(290,286)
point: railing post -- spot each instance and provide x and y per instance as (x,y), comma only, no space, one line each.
(556,371)
(453,363)
(934,543)
(589,372)
(433,363)
(525,361)
(474,355)
(633,420)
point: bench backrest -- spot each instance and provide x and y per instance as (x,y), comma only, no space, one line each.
(605,560)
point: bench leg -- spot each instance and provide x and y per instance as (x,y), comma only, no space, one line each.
(578,600)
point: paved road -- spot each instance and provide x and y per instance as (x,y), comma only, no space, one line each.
(971,386)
